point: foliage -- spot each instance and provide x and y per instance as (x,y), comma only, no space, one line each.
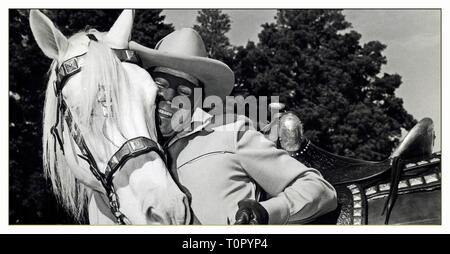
(31,200)
(320,70)
(212,27)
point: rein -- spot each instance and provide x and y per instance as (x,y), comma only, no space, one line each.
(130,149)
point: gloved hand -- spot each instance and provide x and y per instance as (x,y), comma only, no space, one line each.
(251,212)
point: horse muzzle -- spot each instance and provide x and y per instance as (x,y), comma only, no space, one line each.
(174,209)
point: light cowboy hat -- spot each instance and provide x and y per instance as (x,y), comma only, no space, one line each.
(183,50)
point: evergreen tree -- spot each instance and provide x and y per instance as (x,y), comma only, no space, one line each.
(149,27)
(31,200)
(213,26)
(333,83)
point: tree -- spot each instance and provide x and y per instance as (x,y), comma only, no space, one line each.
(333,83)
(149,27)
(31,200)
(213,26)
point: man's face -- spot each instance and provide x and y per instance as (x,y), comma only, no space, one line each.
(169,87)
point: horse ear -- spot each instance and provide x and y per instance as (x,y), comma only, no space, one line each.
(120,33)
(51,41)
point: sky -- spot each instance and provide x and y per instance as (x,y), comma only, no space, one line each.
(413,51)
(413,48)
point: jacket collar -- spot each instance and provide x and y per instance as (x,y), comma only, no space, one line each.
(199,120)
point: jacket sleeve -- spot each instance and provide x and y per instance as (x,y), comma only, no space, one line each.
(298,193)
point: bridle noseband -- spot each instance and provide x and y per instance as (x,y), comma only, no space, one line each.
(131,148)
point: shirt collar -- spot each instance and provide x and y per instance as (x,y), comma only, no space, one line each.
(199,120)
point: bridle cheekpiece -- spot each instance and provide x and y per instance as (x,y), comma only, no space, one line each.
(131,148)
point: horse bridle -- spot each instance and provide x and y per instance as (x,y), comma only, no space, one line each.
(131,148)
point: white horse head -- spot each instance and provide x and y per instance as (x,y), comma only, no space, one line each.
(144,187)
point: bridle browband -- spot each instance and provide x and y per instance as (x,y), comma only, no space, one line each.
(131,148)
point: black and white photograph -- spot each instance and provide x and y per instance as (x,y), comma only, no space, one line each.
(225,117)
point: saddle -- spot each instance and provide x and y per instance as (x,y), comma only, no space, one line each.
(411,167)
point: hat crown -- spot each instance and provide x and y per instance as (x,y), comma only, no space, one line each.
(185,41)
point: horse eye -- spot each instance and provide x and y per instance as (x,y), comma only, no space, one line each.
(162,83)
(184,90)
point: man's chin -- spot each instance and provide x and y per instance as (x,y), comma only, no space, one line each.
(165,128)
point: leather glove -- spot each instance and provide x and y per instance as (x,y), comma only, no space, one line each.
(251,212)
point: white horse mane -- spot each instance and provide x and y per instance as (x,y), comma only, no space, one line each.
(102,71)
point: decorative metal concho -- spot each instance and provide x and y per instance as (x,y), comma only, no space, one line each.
(290,133)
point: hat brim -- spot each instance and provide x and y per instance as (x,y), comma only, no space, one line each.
(217,77)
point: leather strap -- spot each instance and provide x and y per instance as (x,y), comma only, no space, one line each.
(130,149)
(74,65)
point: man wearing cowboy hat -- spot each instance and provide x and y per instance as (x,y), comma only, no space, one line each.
(224,168)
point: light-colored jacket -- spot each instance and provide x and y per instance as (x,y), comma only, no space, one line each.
(221,164)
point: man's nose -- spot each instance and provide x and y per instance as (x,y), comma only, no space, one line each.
(167,93)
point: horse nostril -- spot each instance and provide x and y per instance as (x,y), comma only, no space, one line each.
(153,217)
